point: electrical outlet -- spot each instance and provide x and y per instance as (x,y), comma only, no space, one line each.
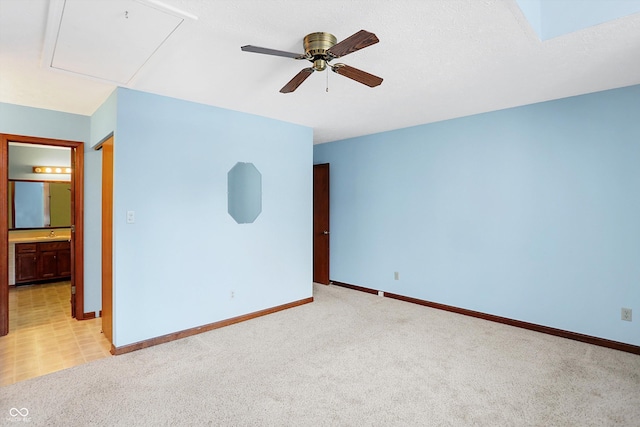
(396,275)
(626,314)
(233,294)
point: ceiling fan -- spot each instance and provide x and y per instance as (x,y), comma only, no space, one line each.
(320,49)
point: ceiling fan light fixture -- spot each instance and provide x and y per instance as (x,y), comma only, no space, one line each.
(319,64)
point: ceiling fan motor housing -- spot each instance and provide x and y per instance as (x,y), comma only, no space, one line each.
(321,48)
(316,46)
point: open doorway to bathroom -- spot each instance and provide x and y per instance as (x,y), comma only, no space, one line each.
(52,289)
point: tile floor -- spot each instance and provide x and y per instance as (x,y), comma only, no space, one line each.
(43,337)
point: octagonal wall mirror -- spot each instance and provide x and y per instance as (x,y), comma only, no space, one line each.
(244,193)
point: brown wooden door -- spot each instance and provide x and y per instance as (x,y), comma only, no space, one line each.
(321,223)
(107,238)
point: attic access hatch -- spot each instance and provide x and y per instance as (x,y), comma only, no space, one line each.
(107,40)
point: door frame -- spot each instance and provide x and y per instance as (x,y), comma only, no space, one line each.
(77,208)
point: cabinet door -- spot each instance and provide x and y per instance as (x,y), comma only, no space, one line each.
(48,264)
(64,262)
(26,267)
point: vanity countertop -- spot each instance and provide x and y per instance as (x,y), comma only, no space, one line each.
(21,239)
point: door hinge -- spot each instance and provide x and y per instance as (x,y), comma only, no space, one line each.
(73,290)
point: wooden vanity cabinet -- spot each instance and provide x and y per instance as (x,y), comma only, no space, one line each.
(63,260)
(42,261)
(26,262)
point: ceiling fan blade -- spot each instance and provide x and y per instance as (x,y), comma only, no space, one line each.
(297,80)
(358,41)
(357,75)
(266,51)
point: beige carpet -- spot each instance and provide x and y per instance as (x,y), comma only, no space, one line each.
(348,359)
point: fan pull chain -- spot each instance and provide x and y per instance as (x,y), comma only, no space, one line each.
(327,81)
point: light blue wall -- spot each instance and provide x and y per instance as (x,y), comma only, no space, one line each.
(103,121)
(532,10)
(19,120)
(553,18)
(176,266)
(530,213)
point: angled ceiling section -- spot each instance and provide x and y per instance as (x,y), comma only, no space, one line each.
(553,18)
(107,40)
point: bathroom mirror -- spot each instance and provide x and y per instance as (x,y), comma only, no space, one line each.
(39,204)
(244,192)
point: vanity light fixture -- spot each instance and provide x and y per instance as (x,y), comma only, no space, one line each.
(52,169)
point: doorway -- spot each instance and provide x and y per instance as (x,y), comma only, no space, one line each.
(321,231)
(77,234)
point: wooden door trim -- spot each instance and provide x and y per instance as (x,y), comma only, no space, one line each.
(77,247)
(4,236)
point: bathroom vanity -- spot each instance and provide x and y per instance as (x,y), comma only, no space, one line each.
(39,258)
(42,261)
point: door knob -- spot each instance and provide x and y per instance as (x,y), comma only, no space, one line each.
(325,232)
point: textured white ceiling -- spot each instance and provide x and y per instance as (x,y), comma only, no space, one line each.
(440,59)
